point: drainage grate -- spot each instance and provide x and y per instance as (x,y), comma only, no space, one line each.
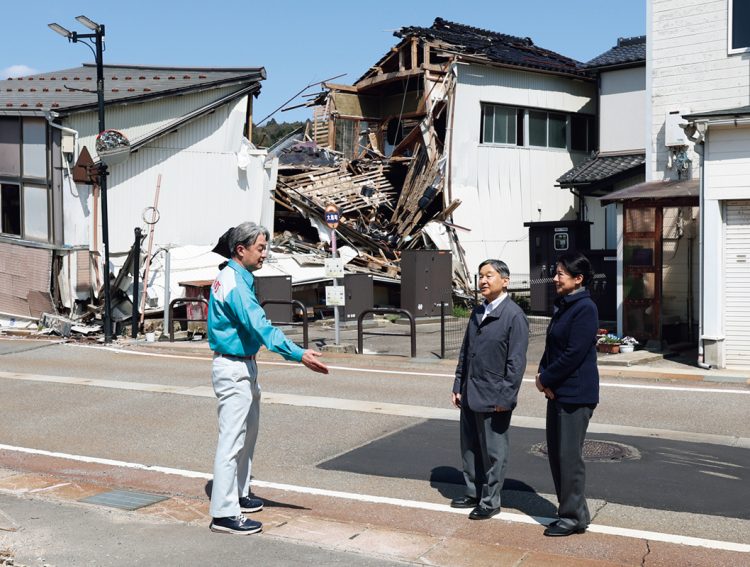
(597,451)
(124,499)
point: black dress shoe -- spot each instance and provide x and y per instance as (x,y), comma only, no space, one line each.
(482,513)
(464,502)
(556,529)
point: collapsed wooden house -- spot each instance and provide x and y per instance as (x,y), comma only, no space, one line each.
(452,140)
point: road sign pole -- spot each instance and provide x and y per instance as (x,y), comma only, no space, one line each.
(332,220)
(335,283)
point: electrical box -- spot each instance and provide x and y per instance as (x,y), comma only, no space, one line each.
(359,293)
(426,281)
(547,241)
(279,288)
(68,144)
(673,134)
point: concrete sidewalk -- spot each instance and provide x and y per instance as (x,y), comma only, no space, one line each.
(44,522)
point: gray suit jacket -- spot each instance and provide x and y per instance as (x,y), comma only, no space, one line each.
(493,358)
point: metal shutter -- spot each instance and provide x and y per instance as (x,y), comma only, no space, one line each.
(737,277)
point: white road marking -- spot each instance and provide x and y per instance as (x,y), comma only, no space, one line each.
(414,504)
(697,389)
(382,408)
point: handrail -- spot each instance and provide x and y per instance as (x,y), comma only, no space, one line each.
(294,303)
(384,311)
(171,312)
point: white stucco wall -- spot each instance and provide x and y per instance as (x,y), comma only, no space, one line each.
(501,187)
(622,110)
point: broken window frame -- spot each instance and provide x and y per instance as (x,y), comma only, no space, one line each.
(28,172)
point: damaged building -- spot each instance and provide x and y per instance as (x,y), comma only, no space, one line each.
(452,140)
(184,127)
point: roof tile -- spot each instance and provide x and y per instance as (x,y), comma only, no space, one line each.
(601,167)
(629,50)
(129,82)
(497,47)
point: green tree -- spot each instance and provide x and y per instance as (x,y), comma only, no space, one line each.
(272,131)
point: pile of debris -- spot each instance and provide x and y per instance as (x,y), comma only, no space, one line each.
(386,202)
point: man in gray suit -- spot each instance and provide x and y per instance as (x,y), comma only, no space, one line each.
(488,376)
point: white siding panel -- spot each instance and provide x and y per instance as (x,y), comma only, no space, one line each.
(202,191)
(690,69)
(529,89)
(728,163)
(737,274)
(622,110)
(502,187)
(137,120)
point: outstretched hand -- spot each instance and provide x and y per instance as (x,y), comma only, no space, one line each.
(310,359)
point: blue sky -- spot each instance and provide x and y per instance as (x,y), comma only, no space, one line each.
(297,42)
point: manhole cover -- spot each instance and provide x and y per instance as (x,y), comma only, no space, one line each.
(597,451)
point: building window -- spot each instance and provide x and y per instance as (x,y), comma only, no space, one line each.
(502,125)
(10,209)
(548,129)
(505,125)
(34,148)
(582,133)
(558,130)
(35,216)
(24,191)
(739,26)
(10,141)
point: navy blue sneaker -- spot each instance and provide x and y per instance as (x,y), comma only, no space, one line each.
(249,504)
(239,525)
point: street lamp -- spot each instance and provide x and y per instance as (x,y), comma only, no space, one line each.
(97,36)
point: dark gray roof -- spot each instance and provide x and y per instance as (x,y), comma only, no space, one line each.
(602,167)
(496,47)
(628,52)
(742,111)
(122,83)
(669,189)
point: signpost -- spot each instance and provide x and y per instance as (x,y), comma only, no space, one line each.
(334,294)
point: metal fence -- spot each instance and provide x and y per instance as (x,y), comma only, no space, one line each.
(453,325)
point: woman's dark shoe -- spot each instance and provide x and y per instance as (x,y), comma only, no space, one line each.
(464,502)
(556,529)
(482,513)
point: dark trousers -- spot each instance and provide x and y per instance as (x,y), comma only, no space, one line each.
(484,451)
(566,431)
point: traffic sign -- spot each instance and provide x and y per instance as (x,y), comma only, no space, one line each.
(332,216)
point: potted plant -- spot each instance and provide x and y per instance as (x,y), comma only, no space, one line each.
(628,344)
(608,343)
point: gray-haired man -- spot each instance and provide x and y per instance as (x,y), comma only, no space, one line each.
(488,376)
(237,327)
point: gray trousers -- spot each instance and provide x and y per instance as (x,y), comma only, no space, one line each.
(484,451)
(235,384)
(566,432)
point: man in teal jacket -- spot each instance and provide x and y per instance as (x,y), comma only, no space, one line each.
(237,328)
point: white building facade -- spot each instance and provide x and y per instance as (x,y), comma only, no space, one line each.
(698,67)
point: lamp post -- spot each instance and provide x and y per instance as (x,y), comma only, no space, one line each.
(97,36)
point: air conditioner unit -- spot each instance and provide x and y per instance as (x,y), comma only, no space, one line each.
(673,134)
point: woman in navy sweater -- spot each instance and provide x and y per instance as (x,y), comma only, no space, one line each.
(569,378)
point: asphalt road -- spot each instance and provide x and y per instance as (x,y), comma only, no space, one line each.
(377,428)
